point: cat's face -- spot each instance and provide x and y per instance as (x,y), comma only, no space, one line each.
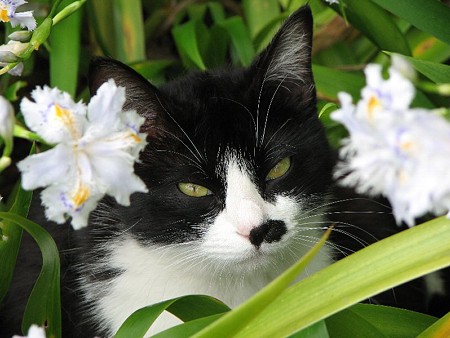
(237,161)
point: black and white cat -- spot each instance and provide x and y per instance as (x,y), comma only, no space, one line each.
(239,174)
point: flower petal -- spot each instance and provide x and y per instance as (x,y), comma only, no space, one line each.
(59,207)
(24,19)
(116,175)
(54,115)
(50,167)
(7,119)
(106,106)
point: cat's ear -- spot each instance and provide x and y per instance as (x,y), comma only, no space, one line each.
(288,56)
(140,94)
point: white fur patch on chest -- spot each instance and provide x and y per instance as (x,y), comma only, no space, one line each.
(223,264)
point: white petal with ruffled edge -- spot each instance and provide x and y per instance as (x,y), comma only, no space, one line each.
(53,166)
(24,19)
(54,115)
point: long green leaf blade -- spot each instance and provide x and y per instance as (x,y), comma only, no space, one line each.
(430,16)
(232,322)
(11,235)
(367,320)
(240,38)
(129,30)
(186,308)
(375,23)
(381,266)
(65,53)
(186,41)
(436,72)
(44,303)
(441,328)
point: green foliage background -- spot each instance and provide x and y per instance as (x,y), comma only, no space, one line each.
(163,39)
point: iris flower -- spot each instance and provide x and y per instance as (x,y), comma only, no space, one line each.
(95,150)
(8,14)
(394,150)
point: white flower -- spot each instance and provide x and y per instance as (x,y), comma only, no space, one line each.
(393,150)
(13,49)
(96,147)
(332,1)
(8,14)
(33,332)
(7,119)
(383,99)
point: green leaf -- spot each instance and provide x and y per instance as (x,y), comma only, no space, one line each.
(265,35)
(188,329)
(100,13)
(240,39)
(317,330)
(186,308)
(231,323)
(10,237)
(153,70)
(374,269)
(428,15)
(436,72)
(376,24)
(129,30)
(186,41)
(441,328)
(258,13)
(11,92)
(44,303)
(367,320)
(329,82)
(217,11)
(65,52)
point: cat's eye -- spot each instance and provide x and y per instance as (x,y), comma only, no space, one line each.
(279,169)
(193,190)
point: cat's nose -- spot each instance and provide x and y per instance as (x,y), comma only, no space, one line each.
(249,215)
(269,232)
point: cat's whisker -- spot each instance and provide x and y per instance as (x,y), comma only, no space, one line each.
(199,157)
(276,132)
(268,110)
(183,131)
(243,106)
(194,163)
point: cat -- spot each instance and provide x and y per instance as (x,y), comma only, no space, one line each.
(239,173)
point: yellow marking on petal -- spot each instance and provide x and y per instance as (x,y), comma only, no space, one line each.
(66,117)
(135,138)
(372,105)
(4,15)
(81,196)
(408,146)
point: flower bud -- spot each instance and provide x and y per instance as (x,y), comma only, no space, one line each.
(8,57)
(7,119)
(21,36)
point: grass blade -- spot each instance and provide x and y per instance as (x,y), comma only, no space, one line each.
(129,30)
(44,303)
(379,267)
(232,322)
(65,53)
(430,16)
(186,308)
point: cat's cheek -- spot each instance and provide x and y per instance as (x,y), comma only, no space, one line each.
(285,209)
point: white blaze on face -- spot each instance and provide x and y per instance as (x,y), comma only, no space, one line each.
(227,238)
(244,206)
